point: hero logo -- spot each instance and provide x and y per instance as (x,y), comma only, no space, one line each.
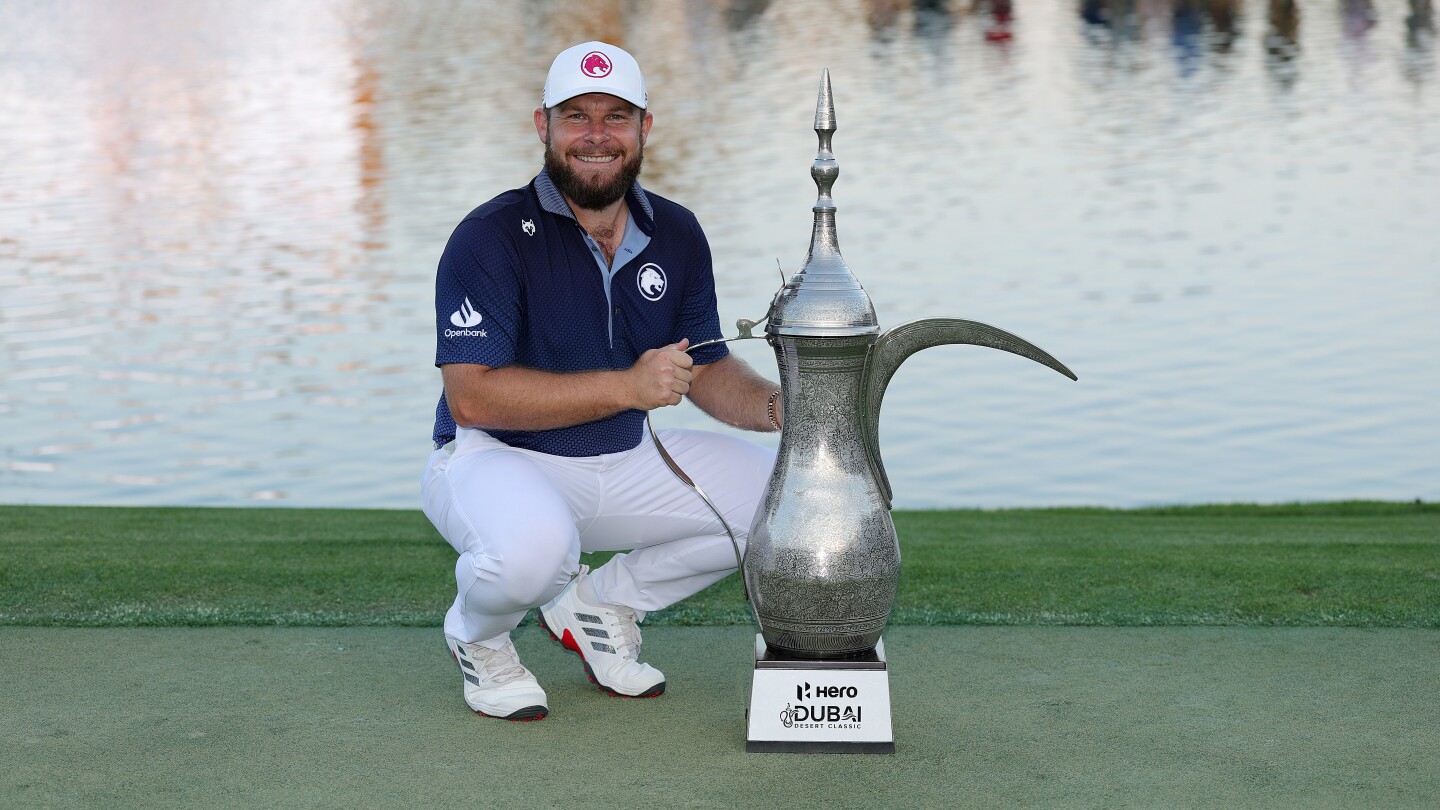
(465,317)
(596,65)
(803,691)
(651,281)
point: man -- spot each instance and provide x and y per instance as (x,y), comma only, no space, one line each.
(564,311)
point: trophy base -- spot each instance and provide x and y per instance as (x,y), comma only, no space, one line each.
(827,706)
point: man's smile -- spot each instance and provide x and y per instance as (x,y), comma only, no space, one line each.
(596,158)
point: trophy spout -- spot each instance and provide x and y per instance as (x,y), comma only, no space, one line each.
(893,347)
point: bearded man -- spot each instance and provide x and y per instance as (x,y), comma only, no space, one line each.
(564,311)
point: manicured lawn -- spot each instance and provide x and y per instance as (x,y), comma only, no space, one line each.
(1358,564)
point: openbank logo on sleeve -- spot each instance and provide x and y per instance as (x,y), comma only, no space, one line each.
(465,317)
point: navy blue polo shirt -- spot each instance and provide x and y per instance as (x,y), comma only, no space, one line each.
(521,284)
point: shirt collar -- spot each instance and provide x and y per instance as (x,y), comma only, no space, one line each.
(553,201)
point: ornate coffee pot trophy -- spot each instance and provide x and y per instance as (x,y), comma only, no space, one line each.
(822,563)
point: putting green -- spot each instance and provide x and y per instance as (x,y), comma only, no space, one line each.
(984,717)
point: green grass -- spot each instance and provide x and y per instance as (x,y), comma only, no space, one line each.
(1359,564)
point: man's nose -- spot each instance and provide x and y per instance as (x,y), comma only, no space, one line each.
(597,131)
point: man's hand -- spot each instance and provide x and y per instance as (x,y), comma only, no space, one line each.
(661,376)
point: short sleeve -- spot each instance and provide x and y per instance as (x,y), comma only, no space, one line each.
(699,313)
(477,298)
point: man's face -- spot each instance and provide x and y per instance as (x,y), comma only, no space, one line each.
(594,145)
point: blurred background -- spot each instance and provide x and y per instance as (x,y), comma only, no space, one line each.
(219,225)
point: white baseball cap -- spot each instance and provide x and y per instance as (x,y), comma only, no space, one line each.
(594,67)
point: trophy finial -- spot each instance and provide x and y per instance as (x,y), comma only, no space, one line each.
(825,170)
(823,299)
(825,105)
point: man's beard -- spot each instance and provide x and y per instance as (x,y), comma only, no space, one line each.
(592,195)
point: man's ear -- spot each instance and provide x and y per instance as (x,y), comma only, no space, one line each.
(541,120)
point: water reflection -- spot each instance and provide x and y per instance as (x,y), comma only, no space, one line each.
(1195,26)
(1418,61)
(1282,42)
(217,248)
(1420,22)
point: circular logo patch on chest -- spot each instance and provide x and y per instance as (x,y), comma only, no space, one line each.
(652,283)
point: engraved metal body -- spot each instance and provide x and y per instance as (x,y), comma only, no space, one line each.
(823,562)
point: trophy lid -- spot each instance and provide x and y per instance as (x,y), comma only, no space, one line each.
(823,299)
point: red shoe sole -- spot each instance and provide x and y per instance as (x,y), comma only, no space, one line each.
(569,643)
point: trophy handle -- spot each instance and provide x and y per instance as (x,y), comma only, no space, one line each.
(892,348)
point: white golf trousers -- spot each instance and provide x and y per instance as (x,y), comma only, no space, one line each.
(519,520)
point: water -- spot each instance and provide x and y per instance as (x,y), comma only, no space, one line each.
(219,224)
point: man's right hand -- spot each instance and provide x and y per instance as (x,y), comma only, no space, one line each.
(661,376)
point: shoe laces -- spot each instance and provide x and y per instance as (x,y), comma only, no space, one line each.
(501,666)
(627,639)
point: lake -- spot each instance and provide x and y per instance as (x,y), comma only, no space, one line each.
(219,225)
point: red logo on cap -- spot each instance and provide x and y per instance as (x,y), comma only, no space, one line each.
(596,65)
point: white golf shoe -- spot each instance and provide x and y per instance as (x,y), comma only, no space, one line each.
(607,639)
(496,683)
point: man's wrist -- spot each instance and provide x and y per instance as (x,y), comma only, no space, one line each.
(622,395)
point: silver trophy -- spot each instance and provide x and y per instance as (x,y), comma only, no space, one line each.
(823,563)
